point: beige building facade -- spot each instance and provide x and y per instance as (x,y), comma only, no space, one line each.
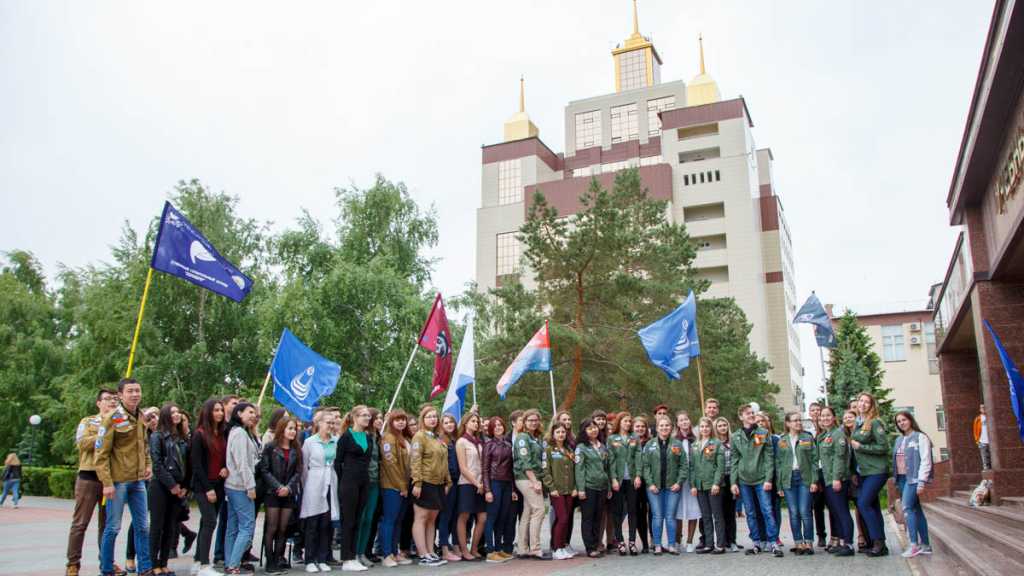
(694,150)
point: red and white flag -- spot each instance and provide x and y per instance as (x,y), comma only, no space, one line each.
(437,338)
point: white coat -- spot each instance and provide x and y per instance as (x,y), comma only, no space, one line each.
(319,481)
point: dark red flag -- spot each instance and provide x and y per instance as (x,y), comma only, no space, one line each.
(437,338)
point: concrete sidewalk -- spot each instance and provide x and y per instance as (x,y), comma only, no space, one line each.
(33,541)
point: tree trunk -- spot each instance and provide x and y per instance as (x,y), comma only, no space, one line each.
(577,367)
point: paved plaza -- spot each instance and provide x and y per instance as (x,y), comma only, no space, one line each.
(33,540)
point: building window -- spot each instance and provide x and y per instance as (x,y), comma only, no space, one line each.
(625,125)
(510,182)
(632,70)
(653,108)
(929,340)
(718,176)
(940,417)
(588,129)
(943,454)
(509,253)
(892,343)
(686,179)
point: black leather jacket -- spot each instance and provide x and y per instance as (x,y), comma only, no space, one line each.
(171,465)
(278,473)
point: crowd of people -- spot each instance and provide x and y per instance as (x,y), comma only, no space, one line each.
(391,489)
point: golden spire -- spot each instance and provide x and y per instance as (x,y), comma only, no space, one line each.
(700,39)
(519,125)
(702,89)
(636,20)
(522,95)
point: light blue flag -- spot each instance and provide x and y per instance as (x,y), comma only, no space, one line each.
(1014,379)
(812,312)
(465,374)
(301,377)
(671,341)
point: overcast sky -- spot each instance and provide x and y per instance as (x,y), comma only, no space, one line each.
(105,105)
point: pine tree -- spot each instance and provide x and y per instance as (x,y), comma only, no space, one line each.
(854,367)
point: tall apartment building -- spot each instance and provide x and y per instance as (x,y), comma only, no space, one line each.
(693,149)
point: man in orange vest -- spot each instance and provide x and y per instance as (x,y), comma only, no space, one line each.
(980,430)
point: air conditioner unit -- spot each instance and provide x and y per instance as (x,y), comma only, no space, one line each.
(915,326)
(915,340)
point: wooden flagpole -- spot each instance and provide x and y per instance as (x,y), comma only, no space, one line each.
(700,381)
(404,373)
(138,323)
(269,369)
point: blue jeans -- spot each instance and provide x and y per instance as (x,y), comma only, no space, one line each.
(393,504)
(664,502)
(756,501)
(917,524)
(839,507)
(14,488)
(500,528)
(134,495)
(869,506)
(241,526)
(798,497)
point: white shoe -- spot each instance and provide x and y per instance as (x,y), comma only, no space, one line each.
(561,554)
(690,548)
(353,566)
(364,560)
(734,548)
(323,567)
(193,570)
(403,560)
(911,552)
(389,562)
(568,548)
(208,571)
(311,567)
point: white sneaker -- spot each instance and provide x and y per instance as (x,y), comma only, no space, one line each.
(208,571)
(323,567)
(561,554)
(911,552)
(364,560)
(353,566)
(389,562)
(690,548)
(403,560)
(311,567)
(734,548)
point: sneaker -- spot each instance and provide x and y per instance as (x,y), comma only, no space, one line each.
(365,561)
(311,567)
(925,549)
(208,571)
(495,558)
(777,552)
(323,567)
(560,555)
(432,561)
(911,552)
(718,551)
(571,550)
(403,560)
(753,551)
(690,548)
(389,561)
(437,558)
(353,566)
(734,548)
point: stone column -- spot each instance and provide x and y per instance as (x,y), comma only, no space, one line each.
(961,396)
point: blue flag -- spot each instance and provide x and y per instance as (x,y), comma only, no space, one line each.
(301,377)
(182,251)
(465,374)
(1013,377)
(812,312)
(671,341)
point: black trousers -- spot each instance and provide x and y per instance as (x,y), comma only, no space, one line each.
(642,510)
(317,537)
(353,494)
(728,511)
(208,513)
(592,509)
(623,505)
(163,510)
(818,507)
(712,520)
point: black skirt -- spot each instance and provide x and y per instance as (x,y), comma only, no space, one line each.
(272,500)
(431,496)
(468,501)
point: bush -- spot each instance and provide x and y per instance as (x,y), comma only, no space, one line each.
(39,481)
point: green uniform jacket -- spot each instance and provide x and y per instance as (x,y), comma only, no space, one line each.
(834,452)
(806,458)
(527,454)
(676,461)
(707,465)
(592,467)
(623,450)
(873,454)
(560,472)
(753,459)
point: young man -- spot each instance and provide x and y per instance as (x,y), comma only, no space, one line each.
(123,466)
(818,497)
(712,408)
(753,467)
(980,429)
(661,410)
(88,488)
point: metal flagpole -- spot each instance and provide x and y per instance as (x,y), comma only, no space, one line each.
(700,380)
(402,380)
(138,322)
(554,406)
(824,379)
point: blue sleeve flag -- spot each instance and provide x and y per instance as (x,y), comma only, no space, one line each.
(181,250)
(812,312)
(465,374)
(672,340)
(1013,377)
(301,376)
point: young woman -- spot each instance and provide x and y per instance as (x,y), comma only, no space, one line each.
(497,473)
(449,510)
(431,481)
(641,510)
(169,453)
(560,481)
(319,492)
(351,464)
(243,450)
(764,421)
(12,479)
(209,469)
(371,511)
(622,449)
(723,432)
(281,466)
(593,483)
(405,540)
(471,490)
(871,445)
(833,451)
(707,468)
(275,417)
(912,464)
(796,474)
(849,423)
(528,463)
(662,466)
(564,417)
(688,509)
(395,475)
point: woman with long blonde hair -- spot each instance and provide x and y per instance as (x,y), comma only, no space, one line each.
(870,443)
(431,481)
(12,479)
